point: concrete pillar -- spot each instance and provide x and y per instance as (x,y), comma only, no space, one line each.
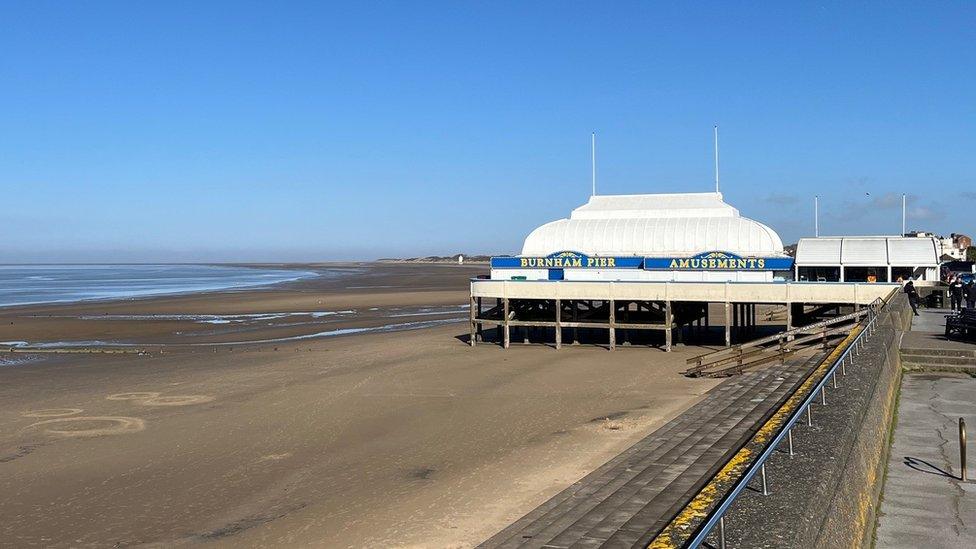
(728,325)
(735,320)
(559,325)
(481,327)
(472,310)
(668,321)
(613,329)
(575,319)
(507,334)
(498,327)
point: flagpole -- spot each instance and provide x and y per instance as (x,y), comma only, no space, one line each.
(816,216)
(903,214)
(593,163)
(715,128)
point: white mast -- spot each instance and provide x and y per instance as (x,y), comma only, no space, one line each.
(816,215)
(716,157)
(593,163)
(903,209)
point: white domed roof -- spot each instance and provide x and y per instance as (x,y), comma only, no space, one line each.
(654,225)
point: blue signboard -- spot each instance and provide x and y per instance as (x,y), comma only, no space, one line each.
(566,260)
(718,261)
(708,261)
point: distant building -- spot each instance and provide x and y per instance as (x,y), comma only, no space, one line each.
(955,245)
(951,248)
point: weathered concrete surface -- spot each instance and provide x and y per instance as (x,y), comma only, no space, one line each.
(925,503)
(926,347)
(931,321)
(826,495)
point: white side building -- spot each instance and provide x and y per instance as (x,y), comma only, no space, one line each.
(866,259)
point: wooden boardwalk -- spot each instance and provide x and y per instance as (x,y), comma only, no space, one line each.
(631,498)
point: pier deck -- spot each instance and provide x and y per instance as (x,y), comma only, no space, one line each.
(630,499)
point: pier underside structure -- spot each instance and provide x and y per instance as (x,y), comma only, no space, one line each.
(639,312)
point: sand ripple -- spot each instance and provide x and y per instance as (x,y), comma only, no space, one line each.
(53,412)
(132,396)
(177,400)
(91,426)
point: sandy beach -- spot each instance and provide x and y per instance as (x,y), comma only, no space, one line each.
(405,438)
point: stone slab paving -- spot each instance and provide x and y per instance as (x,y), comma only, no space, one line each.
(631,498)
(925,504)
(930,320)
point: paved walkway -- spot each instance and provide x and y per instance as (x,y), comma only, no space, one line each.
(630,499)
(930,321)
(924,503)
(928,332)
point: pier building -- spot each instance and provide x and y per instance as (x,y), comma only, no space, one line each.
(633,265)
(691,237)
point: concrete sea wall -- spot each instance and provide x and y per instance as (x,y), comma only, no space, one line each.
(849,511)
(827,494)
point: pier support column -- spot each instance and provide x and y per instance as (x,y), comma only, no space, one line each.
(613,322)
(669,322)
(498,327)
(559,325)
(481,327)
(472,310)
(728,324)
(506,337)
(575,319)
(736,315)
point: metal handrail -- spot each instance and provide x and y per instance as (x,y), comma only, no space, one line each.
(718,515)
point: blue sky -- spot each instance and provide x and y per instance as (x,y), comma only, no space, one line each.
(257,131)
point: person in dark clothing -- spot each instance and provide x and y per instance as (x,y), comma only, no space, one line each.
(955,294)
(970,294)
(912,296)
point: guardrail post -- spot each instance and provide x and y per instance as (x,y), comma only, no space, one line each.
(762,470)
(843,366)
(809,417)
(721,533)
(790,436)
(834,376)
(823,395)
(962,449)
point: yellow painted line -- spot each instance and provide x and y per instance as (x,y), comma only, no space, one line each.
(685,523)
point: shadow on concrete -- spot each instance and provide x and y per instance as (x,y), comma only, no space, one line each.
(923,466)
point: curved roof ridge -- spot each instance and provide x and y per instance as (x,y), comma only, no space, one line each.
(655,224)
(655,206)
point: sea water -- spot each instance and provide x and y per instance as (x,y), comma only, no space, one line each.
(31,284)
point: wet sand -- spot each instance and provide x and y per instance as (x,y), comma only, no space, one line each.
(407,438)
(366,295)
